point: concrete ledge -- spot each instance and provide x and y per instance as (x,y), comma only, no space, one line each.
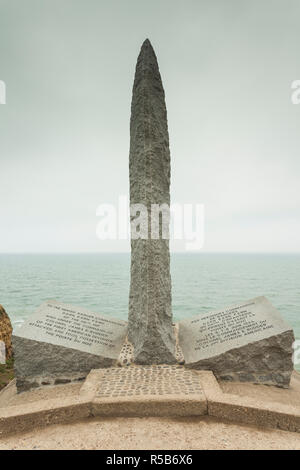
(243,413)
(266,407)
(22,418)
(151,406)
(248,410)
(8,392)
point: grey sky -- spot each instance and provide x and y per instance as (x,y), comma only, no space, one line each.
(227,68)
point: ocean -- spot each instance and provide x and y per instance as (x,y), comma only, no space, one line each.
(200,282)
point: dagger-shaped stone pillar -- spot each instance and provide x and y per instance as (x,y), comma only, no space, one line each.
(150,312)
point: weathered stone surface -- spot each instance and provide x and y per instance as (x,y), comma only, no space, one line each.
(150,315)
(247,343)
(6,332)
(60,343)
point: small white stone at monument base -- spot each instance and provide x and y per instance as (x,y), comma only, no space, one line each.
(247,342)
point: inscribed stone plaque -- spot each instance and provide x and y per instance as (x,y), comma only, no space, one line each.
(60,343)
(247,342)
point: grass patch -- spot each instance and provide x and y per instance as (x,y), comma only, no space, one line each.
(6,373)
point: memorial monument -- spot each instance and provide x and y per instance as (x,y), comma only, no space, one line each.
(60,343)
(150,311)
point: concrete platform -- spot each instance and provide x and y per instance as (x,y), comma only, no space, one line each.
(145,391)
(139,391)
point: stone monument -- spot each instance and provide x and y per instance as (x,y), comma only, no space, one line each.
(249,342)
(150,314)
(61,343)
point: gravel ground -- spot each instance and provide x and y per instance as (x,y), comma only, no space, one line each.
(152,433)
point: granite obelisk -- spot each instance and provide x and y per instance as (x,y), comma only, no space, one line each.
(150,312)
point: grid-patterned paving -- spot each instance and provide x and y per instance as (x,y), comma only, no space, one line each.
(148,380)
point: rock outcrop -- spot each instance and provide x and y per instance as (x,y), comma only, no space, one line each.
(6,332)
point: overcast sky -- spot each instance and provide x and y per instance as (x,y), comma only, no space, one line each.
(227,68)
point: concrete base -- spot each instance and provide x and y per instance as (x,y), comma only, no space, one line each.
(151,391)
(145,391)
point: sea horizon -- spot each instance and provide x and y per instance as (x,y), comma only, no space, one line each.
(201,282)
